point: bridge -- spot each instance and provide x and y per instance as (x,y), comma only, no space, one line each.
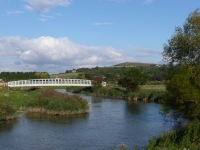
(49,82)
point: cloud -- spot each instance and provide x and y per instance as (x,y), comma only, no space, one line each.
(14,12)
(145,51)
(148,1)
(56,54)
(45,17)
(146,54)
(102,23)
(44,6)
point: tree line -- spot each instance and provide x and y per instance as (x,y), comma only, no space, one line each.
(11,76)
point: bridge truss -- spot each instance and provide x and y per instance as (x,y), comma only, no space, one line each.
(50,82)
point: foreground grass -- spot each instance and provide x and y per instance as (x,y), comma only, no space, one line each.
(188,138)
(11,101)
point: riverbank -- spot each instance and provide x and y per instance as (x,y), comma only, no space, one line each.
(187,138)
(148,93)
(48,101)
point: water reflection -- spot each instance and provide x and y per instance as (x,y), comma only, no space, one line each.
(7,126)
(70,119)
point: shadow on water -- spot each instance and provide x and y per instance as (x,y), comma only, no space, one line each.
(7,125)
(56,119)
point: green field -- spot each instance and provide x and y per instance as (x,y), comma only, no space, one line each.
(72,75)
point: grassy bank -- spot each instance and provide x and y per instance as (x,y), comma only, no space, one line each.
(147,93)
(13,101)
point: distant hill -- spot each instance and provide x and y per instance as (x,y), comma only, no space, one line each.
(134,64)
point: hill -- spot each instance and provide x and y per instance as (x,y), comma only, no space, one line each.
(135,64)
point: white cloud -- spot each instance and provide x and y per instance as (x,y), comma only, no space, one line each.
(43,6)
(45,17)
(55,54)
(148,1)
(14,12)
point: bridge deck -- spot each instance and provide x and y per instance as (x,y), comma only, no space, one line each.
(50,82)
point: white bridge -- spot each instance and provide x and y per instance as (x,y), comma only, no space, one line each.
(50,82)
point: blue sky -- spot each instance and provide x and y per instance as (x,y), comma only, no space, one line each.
(58,35)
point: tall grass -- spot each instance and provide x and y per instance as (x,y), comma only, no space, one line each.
(6,112)
(51,100)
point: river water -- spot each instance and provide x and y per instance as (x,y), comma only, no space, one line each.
(109,123)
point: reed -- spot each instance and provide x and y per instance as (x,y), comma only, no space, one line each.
(53,102)
(145,94)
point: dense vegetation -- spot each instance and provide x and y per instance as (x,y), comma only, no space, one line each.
(182,53)
(132,79)
(10,76)
(187,138)
(183,85)
(15,100)
(53,102)
(151,93)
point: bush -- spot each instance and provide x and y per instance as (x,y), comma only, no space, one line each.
(6,110)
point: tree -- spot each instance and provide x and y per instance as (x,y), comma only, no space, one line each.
(184,46)
(183,93)
(183,54)
(42,75)
(132,79)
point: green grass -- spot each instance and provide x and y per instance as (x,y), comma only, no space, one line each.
(71,75)
(11,101)
(15,96)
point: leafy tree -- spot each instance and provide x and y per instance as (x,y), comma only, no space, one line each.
(183,54)
(183,92)
(132,79)
(184,46)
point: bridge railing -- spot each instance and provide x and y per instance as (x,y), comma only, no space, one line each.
(50,82)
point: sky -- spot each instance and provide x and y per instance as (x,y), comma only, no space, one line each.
(58,35)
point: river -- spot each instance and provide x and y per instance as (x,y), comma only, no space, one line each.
(109,123)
